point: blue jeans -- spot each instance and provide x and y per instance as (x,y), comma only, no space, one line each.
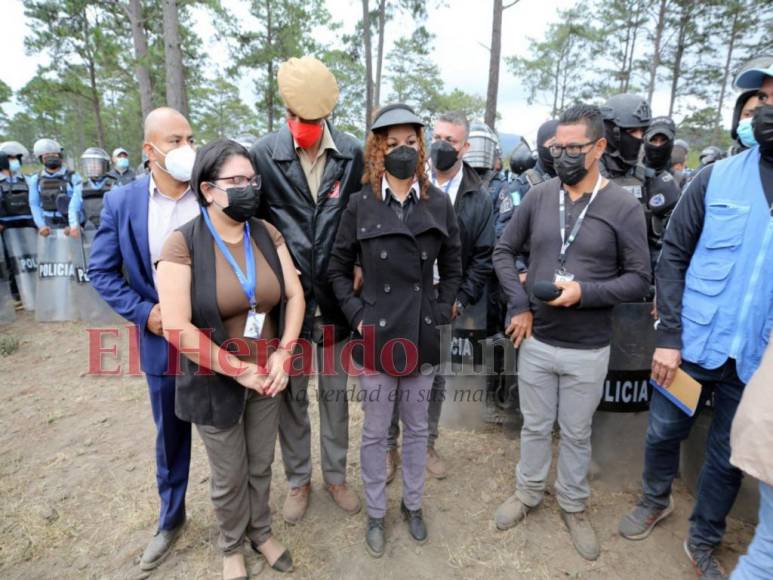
(719,481)
(757,564)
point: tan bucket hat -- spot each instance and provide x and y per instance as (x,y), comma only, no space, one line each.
(308,88)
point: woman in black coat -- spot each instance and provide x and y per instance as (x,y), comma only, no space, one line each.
(399,225)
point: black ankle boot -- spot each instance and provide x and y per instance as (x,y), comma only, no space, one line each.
(415,523)
(375,540)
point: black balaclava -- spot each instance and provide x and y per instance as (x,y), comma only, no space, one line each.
(546,131)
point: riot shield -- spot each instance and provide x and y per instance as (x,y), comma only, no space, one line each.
(22,244)
(91,307)
(55,299)
(7,308)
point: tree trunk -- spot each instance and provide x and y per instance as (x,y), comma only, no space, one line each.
(96,102)
(380,53)
(141,69)
(632,51)
(493,67)
(726,72)
(677,66)
(175,73)
(270,67)
(655,60)
(368,65)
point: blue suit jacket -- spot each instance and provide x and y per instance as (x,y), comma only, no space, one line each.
(120,269)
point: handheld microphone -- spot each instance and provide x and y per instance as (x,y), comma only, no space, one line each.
(546,291)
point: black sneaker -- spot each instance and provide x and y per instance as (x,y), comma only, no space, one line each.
(375,540)
(416,525)
(704,562)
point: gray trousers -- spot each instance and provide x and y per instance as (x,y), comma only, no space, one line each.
(240,459)
(437,396)
(379,394)
(295,429)
(568,384)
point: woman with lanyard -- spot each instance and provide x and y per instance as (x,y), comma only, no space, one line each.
(232,304)
(398,225)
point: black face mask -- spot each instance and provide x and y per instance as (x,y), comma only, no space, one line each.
(546,160)
(629,148)
(243,202)
(402,162)
(571,170)
(443,155)
(53,163)
(762,125)
(658,156)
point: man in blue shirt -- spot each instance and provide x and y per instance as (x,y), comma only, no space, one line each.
(86,202)
(14,191)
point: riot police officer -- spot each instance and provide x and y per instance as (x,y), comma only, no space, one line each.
(522,158)
(661,189)
(121,173)
(87,202)
(709,155)
(14,190)
(627,118)
(679,168)
(482,155)
(540,170)
(52,188)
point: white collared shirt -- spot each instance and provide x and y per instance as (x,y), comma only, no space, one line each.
(385,191)
(451,187)
(165,215)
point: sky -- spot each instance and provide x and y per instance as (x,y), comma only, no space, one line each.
(462,32)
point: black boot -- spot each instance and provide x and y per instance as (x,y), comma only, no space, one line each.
(415,523)
(375,541)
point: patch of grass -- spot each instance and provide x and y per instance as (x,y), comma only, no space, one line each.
(8,345)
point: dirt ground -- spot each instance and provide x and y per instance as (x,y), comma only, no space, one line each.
(78,500)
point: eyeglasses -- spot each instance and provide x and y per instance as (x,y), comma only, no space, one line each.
(242,181)
(572,150)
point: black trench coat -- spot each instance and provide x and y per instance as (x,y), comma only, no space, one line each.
(398,299)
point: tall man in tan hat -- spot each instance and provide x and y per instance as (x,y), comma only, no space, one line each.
(308,171)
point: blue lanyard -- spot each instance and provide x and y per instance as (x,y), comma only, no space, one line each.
(247,282)
(448,185)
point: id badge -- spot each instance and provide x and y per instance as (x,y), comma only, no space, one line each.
(562,275)
(253,328)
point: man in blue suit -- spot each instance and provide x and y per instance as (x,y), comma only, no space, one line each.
(135,221)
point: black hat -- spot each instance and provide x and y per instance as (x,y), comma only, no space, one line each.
(395,114)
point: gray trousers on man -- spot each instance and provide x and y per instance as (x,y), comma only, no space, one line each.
(568,384)
(380,395)
(294,425)
(240,459)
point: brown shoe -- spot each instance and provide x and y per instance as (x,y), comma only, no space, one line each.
(344,498)
(393,460)
(296,502)
(436,467)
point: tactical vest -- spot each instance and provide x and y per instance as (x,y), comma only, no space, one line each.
(53,191)
(15,198)
(92,197)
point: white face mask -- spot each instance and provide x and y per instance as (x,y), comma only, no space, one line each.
(179,162)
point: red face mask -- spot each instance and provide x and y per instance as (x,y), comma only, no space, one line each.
(305,134)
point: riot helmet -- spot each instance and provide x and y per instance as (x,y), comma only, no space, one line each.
(623,113)
(522,158)
(483,147)
(14,149)
(50,153)
(710,154)
(95,162)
